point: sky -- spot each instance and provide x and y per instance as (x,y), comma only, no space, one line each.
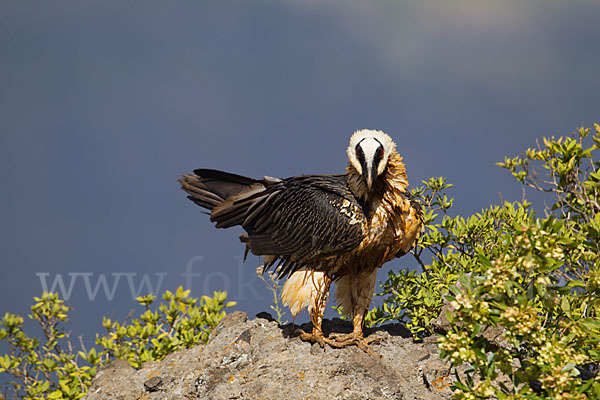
(104,104)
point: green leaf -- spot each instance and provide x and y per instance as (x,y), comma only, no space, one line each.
(57,394)
(565,305)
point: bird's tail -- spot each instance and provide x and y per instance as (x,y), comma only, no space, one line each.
(228,196)
(208,187)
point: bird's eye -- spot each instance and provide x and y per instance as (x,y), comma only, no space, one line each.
(381,153)
(357,154)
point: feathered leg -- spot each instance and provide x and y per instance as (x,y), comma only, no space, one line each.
(354,293)
(319,285)
(308,288)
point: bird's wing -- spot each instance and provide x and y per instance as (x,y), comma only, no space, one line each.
(301,220)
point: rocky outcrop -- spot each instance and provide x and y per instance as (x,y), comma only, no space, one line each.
(258,359)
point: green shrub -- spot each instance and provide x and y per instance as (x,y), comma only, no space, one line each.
(535,278)
(51,367)
(177,324)
(46,368)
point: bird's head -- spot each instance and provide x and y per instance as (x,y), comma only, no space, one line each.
(369,152)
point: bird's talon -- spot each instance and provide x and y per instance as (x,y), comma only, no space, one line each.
(315,337)
(301,334)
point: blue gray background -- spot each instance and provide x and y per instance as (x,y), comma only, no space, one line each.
(103,104)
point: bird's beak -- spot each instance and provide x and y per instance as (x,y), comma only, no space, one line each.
(367,173)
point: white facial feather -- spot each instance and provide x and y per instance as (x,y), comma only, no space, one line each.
(369,147)
(369,140)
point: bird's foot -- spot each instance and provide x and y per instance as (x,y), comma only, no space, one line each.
(314,337)
(354,339)
(340,341)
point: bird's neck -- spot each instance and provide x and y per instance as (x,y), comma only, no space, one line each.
(391,184)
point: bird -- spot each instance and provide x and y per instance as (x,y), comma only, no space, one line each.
(318,229)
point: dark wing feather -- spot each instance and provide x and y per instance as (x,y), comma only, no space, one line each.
(303,220)
(208,187)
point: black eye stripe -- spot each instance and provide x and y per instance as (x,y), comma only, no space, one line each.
(360,154)
(379,153)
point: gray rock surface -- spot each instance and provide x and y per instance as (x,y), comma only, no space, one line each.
(258,359)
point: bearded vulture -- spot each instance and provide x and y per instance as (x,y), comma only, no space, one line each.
(321,228)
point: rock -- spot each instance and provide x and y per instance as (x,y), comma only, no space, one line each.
(258,359)
(316,349)
(153,384)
